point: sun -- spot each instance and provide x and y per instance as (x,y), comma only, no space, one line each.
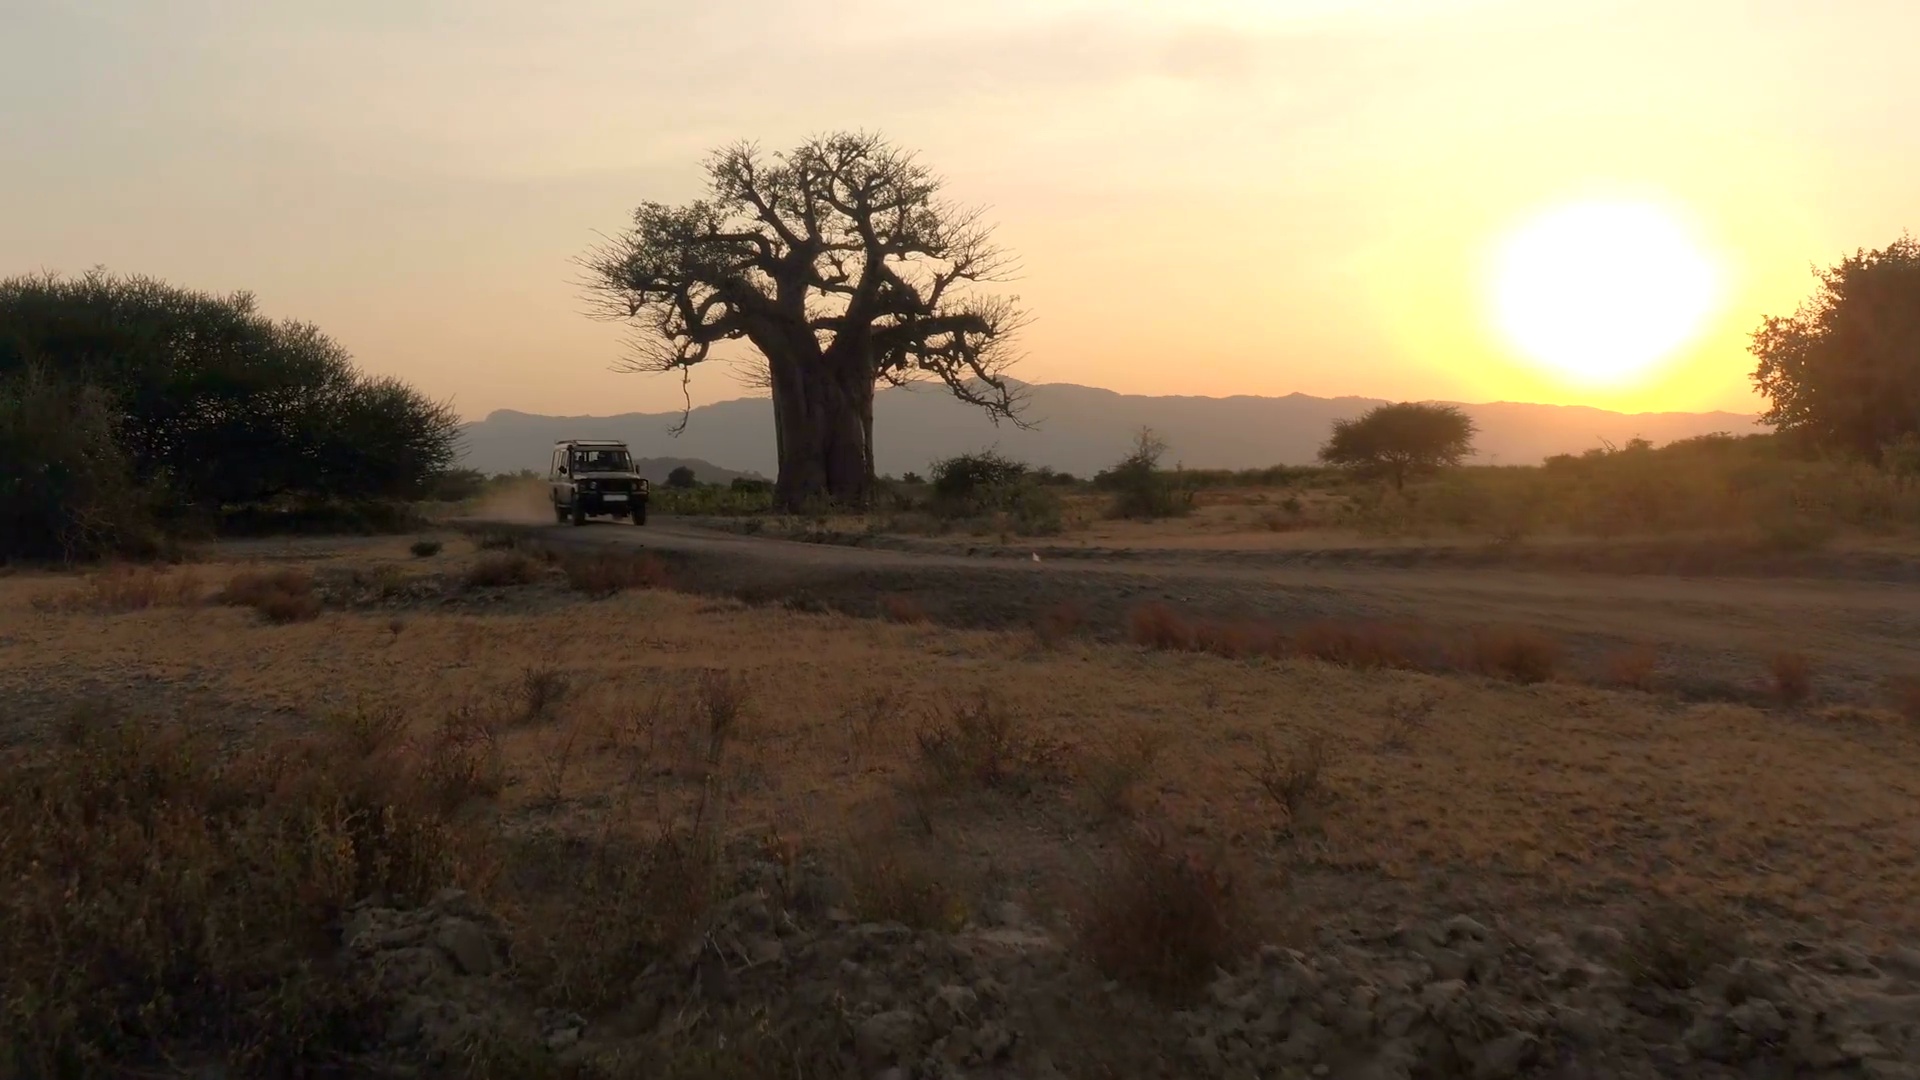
(1602,292)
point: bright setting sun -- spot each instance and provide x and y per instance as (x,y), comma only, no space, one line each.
(1602,292)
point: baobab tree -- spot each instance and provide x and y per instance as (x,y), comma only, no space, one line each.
(842,267)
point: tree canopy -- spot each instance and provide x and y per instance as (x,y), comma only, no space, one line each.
(1401,441)
(196,401)
(1843,372)
(839,263)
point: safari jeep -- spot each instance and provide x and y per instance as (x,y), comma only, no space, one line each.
(595,478)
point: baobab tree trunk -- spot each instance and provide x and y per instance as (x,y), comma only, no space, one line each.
(823,418)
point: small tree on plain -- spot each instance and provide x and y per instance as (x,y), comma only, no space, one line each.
(681,477)
(1400,441)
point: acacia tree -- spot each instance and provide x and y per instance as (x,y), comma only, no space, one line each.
(1843,372)
(1402,440)
(839,263)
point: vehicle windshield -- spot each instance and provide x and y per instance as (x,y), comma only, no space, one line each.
(610,460)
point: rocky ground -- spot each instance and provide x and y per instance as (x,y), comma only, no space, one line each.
(779,988)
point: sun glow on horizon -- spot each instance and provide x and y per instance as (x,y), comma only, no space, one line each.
(1602,293)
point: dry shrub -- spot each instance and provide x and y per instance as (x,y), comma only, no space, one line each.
(1905,690)
(1673,945)
(462,762)
(1365,644)
(890,879)
(502,569)
(1792,676)
(1113,775)
(540,692)
(425,549)
(902,609)
(497,541)
(368,729)
(981,747)
(280,596)
(1406,718)
(1633,667)
(127,588)
(592,915)
(1237,639)
(163,900)
(1162,919)
(1158,626)
(608,573)
(1294,780)
(1517,653)
(1061,621)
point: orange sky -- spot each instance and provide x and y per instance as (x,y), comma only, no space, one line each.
(1208,197)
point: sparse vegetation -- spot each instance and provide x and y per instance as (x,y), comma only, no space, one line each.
(1141,489)
(127,588)
(1163,919)
(982,746)
(1294,779)
(280,596)
(607,573)
(899,608)
(1512,652)
(425,549)
(502,569)
(1792,677)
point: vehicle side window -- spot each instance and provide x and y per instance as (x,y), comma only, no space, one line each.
(553,467)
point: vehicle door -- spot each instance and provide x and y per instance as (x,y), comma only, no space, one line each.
(557,478)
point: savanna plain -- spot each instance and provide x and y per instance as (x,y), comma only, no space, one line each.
(1288,783)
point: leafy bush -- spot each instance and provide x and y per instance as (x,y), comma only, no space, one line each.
(966,483)
(65,488)
(1141,489)
(191,402)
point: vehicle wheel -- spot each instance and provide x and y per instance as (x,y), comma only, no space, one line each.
(579,514)
(639,513)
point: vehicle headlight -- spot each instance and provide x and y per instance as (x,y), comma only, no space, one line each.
(586,485)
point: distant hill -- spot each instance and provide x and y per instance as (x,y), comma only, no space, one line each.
(1077,429)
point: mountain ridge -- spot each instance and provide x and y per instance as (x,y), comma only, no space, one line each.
(1077,429)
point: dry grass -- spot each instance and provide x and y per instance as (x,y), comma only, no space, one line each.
(982,746)
(162,899)
(280,596)
(502,569)
(1633,667)
(1162,919)
(1360,644)
(424,549)
(1054,626)
(1158,626)
(1113,775)
(119,589)
(890,879)
(1294,780)
(1674,944)
(1503,796)
(900,608)
(1905,691)
(1791,674)
(609,573)
(1512,652)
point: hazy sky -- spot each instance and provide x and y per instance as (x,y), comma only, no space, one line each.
(1207,196)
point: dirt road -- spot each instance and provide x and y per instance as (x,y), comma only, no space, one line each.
(1713,633)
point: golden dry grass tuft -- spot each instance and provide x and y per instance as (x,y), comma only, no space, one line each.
(1113,775)
(1058,623)
(1362,644)
(1905,691)
(899,608)
(1518,653)
(502,569)
(126,588)
(1632,667)
(1791,674)
(609,573)
(280,596)
(1159,626)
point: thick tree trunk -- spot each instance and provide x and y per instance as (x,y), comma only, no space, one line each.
(823,420)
